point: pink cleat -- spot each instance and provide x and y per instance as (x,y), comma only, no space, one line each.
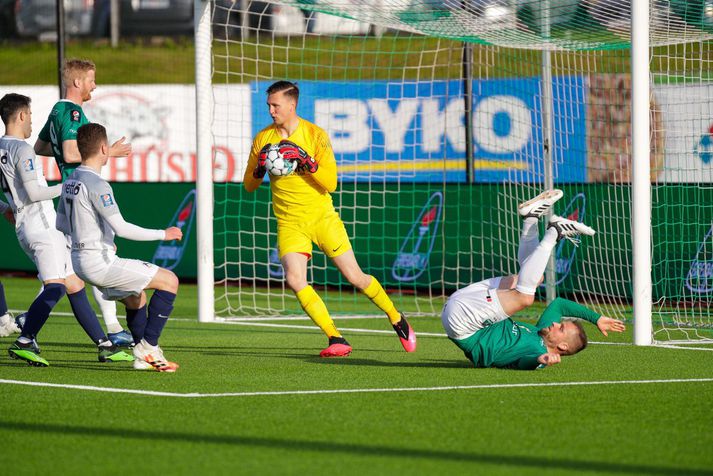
(406,334)
(338,347)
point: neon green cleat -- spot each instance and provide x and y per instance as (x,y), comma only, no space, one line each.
(26,352)
(114,354)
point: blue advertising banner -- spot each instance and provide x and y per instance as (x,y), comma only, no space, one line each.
(415,132)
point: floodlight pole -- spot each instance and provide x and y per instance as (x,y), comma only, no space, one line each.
(204,161)
(59,10)
(641,171)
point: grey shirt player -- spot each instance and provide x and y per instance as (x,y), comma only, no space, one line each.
(89,213)
(25,186)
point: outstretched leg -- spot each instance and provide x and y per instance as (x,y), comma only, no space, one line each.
(370,286)
(531,211)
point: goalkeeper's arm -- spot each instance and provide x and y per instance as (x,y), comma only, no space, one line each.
(252,180)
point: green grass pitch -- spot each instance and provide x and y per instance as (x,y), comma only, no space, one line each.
(507,422)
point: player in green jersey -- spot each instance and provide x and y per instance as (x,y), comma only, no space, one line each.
(58,138)
(477,318)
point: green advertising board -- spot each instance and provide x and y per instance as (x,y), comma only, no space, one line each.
(416,236)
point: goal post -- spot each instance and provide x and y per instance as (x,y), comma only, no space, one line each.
(608,101)
(641,172)
(204,161)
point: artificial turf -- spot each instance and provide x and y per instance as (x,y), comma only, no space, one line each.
(625,428)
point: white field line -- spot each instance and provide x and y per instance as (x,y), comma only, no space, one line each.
(257,322)
(347,390)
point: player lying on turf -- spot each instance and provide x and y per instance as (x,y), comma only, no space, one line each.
(305,214)
(30,198)
(477,318)
(89,213)
(58,138)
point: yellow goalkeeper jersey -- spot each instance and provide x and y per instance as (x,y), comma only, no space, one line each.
(301,194)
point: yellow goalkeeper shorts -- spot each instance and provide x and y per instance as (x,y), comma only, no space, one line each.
(327,232)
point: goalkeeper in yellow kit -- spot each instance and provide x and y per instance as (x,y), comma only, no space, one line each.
(305,214)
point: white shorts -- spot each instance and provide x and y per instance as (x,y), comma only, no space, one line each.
(46,247)
(472,308)
(115,277)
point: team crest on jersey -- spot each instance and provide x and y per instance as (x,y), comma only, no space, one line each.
(29,165)
(75,115)
(107,201)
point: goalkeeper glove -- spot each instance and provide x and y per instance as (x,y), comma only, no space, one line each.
(261,168)
(291,151)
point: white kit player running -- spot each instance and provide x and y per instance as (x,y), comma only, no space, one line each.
(88,212)
(30,198)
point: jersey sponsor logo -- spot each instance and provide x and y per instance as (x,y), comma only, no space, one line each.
(565,252)
(72,188)
(412,259)
(75,115)
(107,200)
(28,165)
(699,279)
(274,265)
(169,253)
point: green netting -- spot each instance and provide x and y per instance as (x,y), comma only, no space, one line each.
(530,24)
(390,91)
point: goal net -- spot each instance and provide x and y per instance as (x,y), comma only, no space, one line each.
(443,116)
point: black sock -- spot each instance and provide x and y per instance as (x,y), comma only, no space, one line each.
(40,309)
(86,317)
(160,308)
(338,340)
(136,320)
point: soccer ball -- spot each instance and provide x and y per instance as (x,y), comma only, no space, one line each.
(276,165)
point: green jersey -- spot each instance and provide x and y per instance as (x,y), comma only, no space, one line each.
(65,119)
(517,345)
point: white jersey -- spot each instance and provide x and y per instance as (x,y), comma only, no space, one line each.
(86,202)
(19,171)
(88,212)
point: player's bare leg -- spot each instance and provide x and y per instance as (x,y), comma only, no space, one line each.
(295,266)
(147,322)
(370,286)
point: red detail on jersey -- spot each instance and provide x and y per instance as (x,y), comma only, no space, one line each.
(429,217)
(710,130)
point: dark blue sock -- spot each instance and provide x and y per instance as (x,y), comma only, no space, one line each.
(136,320)
(160,308)
(86,317)
(3,303)
(40,309)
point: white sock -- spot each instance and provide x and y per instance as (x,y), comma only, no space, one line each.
(534,266)
(529,239)
(108,309)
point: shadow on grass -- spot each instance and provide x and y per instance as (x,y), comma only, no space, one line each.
(331,447)
(441,364)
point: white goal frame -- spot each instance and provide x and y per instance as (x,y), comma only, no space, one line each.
(641,185)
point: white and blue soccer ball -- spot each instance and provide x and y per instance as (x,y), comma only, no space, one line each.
(277,165)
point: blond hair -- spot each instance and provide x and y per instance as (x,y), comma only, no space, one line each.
(76,69)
